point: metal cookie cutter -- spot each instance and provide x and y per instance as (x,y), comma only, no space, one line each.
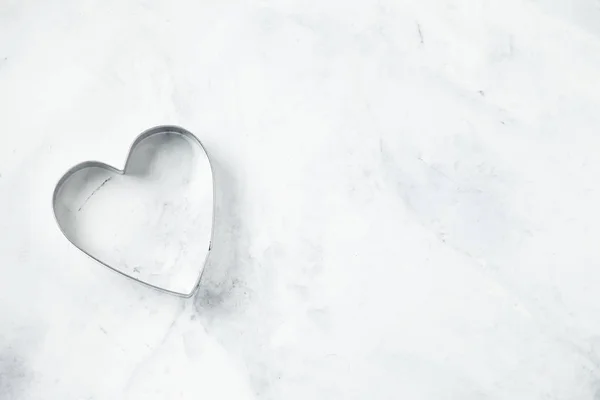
(196,271)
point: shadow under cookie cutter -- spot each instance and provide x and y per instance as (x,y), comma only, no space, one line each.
(157,130)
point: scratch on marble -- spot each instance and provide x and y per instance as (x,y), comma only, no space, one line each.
(436,170)
(459,187)
(420,33)
(153,349)
(94,192)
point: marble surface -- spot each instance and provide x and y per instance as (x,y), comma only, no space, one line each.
(406,204)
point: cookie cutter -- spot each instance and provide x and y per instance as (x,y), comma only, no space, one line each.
(157,130)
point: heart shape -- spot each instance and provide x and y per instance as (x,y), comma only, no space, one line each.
(153,220)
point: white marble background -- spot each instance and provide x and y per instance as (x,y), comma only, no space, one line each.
(407,201)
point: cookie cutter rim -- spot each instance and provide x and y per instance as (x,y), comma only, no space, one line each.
(160,129)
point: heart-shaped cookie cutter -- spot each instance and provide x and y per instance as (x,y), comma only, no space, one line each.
(162,129)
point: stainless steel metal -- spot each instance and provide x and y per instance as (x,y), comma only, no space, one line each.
(150,132)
